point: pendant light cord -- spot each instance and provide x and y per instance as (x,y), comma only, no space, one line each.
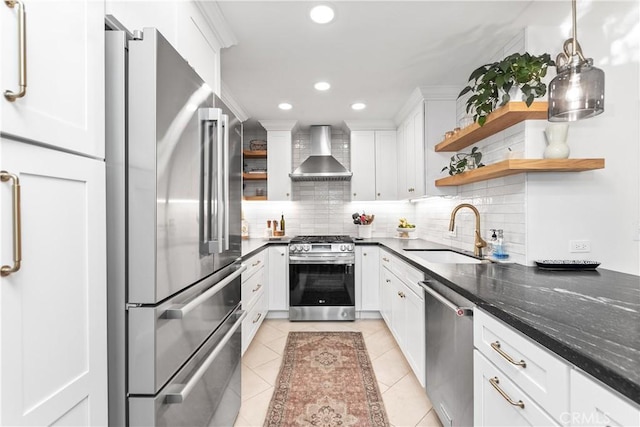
(575,30)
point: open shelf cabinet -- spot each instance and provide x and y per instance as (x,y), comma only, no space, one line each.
(502,118)
(516,166)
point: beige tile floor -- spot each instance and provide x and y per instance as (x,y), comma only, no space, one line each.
(404,398)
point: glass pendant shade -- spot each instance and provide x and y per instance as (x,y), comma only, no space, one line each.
(576,93)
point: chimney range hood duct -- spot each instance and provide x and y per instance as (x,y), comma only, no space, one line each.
(321,165)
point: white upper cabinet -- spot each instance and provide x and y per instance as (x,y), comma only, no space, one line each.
(64,62)
(279,158)
(373,163)
(411,155)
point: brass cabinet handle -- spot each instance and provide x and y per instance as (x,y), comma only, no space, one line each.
(257,318)
(401,294)
(22,53)
(256,288)
(6,270)
(255,263)
(494,382)
(496,347)
(364,254)
(388,281)
(385,259)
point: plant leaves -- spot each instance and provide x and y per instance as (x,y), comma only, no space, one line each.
(464,91)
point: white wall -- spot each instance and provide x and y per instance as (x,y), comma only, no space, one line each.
(600,206)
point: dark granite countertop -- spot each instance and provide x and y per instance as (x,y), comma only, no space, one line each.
(589,318)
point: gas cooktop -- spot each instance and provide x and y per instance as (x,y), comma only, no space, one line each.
(321,239)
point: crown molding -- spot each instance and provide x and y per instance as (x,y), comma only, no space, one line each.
(276,125)
(354,125)
(228,98)
(217,23)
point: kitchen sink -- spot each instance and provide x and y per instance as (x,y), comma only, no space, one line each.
(444,256)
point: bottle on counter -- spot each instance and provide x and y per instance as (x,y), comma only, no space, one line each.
(282,223)
(499,251)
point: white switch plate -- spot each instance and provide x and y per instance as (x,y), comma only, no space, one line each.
(579,246)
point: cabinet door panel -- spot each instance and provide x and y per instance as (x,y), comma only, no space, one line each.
(64,101)
(278,278)
(386,178)
(363,165)
(53,310)
(279,165)
(370,266)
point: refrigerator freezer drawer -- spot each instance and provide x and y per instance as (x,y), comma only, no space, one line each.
(160,341)
(206,391)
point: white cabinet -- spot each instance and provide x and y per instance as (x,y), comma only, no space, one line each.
(402,308)
(594,404)
(498,401)
(279,158)
(367,278)
(278,278)
(53,341)
(64,101)
(411,159)
(255,299)
(373,163)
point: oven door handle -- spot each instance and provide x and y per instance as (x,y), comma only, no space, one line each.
(309,260)
(180,396)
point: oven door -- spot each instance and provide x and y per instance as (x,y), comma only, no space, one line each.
(321,291)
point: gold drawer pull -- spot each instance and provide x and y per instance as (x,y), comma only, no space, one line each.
(6,270)
(496,347)
(385,259)
(22,52)
(255,263)
(256,288)
(494,382)
(401,294)
(257,318)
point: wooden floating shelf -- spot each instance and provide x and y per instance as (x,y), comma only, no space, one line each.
(516,166)
(254,154)
(500,119)
(255,197)
(254,176)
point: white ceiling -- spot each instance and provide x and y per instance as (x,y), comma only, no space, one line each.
(376,52)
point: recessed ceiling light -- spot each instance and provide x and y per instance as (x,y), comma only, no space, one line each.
(322,14)
(285,106)
(322,86)
(358,106)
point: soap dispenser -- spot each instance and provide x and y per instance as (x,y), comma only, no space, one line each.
(499,251)
(492,241)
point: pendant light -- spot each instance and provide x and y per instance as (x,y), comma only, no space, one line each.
(577,91)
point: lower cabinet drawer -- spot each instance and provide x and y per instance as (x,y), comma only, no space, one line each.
(499,402)
(253,288)
(255,316)
(535,370)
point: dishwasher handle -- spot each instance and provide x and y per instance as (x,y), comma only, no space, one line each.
(460,311)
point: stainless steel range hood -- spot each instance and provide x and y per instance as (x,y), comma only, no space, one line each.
(321,165)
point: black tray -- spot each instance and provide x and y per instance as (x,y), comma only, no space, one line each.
(567,264)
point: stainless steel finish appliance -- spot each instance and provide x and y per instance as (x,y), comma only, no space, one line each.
(174,196)
(321,165)
(449,353)
(321,278)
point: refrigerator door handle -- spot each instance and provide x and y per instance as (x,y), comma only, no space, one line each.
(210,230)
(180,312)
(179,396)
(227,173)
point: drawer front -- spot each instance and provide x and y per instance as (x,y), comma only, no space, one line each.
(253,264)
(594,404)
(491,408)
(253,288)
(544,376)
(206,390)
(255,317)
(412,278)
(159,345)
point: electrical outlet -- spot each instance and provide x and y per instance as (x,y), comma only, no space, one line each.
(579,246)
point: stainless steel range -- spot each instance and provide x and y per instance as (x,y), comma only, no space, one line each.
(321,278)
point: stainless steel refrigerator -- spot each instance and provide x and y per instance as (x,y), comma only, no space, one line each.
(173,199)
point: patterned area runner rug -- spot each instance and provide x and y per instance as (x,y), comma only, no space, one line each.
(326,380)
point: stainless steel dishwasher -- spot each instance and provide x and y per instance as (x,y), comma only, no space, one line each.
(449,353)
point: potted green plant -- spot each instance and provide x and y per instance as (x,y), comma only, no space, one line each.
(462,161)
(491,84)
